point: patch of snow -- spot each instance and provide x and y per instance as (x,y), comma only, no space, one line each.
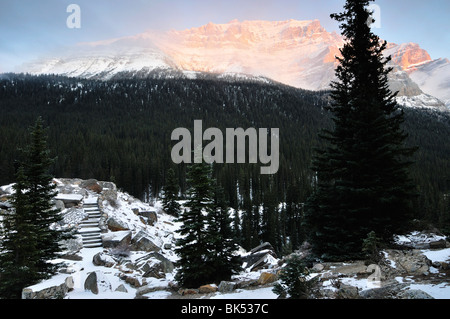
(440,291)
(437,255)
(74,197)
(261,294)
(416,237)
(392,263)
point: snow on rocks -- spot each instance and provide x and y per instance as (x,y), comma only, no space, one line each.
(138,261)
(421,240)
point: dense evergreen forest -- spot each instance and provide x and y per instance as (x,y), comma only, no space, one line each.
(120,130)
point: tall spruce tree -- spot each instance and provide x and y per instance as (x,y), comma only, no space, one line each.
(171,190)
(19,256)
(30,240)
(205,249)
(192,247)
(222,247)
(362,173)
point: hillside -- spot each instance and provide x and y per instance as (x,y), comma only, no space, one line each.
(136,258)
(120,130)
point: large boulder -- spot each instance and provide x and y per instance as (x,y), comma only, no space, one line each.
(114,224)
(154,265)
(406,262)
(92,185)
(260,257)
(116,239)
(207,289)
(42,291)
(149,216)
(226,286)
(389,291)
(413,294)
(69,200)
(102,259)
(96,282)
(421,240)
(267,278)
(143,242)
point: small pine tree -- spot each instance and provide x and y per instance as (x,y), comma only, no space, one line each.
(170,203)
(294,280)
(371,247)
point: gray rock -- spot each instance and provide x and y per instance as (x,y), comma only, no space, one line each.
(154,265)
(226,286)
(151,217)
(347,292)
(91,283)
(91,184)
(100,259)
(318,267)
(53,292)
(440,244)
(264,246)
(69,200)
(115,224)
(414,294)
(96,282)
(59,204)
(69,283)
(150,288)
(142,242)
(389,291)
(410,262)
(116,239)
(121,288)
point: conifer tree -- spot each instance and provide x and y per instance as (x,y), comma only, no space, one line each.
(170,204)
(362,173)
(222,247)
(206,248)
(19,256)
(30,240)
(192,247)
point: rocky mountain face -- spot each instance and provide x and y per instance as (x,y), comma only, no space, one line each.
(297,53)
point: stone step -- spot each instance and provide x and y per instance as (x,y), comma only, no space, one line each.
(91,236)
(95,245)
(92,241)
(91,200)
(94,217)
(91,209)
(88,225)
(89,230)
(91,220)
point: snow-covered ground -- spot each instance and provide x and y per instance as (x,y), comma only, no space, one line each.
(123,207)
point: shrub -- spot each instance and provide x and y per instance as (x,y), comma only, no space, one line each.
(295,281)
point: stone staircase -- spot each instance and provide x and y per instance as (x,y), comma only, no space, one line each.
(89,228)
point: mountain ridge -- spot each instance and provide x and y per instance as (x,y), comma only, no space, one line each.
(301,54)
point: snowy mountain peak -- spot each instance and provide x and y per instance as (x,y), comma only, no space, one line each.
(297,53)
(408,55)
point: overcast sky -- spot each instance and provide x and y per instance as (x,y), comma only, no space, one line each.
(31,28)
